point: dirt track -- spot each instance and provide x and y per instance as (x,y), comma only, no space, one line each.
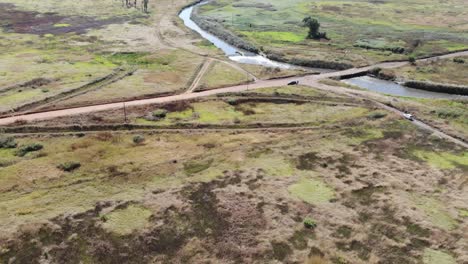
(309,80)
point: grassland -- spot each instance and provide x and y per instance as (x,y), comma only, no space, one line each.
(54,48)
(376,187)
(446,71)
(221,74)
(276,175)
(361,32)
(449,115)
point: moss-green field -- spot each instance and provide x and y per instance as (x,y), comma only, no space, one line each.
(447,71)
(361,32)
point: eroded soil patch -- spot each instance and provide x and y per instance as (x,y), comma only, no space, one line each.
(18,21)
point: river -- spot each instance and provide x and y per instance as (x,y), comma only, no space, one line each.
(232,52)
(366,82)
(392,88)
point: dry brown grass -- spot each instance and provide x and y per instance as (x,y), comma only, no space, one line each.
(316,260)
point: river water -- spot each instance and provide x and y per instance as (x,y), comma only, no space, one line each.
(388,87)
(232,52)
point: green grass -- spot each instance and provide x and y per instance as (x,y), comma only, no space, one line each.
(275,36)
(194,167)
(221,74)
(220,112)
(441,71)
(290,90)
(273,164)
(442,160)
(435,211)
(379,26)
(126,221)
(61,25)
(432,256)
(312,191)
(463,212)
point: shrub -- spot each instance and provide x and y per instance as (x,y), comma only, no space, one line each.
(458,60)
(232,101)
(8,142)
(28,148)
(159,113)
(69,166)
(375,71)
(412,59)
(377,115)
(138,139)
(310,223)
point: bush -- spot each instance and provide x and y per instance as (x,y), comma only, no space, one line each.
(412,59)
(138,139)
(232,101)
(159,113)
(28,148)
(458,60)
(8,142)
(310,223)
(319,64)
(375,71)
(377,115)
(69,166)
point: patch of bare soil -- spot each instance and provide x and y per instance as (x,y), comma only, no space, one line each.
(18,21)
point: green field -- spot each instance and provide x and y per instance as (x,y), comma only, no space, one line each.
(361,32)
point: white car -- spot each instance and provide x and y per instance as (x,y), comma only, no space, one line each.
(408,116)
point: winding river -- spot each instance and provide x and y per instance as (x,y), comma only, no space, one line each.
(365,82)
(232,52)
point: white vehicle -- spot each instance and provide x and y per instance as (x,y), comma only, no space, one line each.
(408,116)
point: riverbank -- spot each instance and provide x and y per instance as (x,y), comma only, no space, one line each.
(276,27)
(437,87)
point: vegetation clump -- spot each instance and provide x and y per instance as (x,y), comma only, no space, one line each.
(159,113)
(459,60)
(377,115)
(138,139)
(8,142)
(309,223)
(193,167)
(69,166)
(314,27)
(28,148)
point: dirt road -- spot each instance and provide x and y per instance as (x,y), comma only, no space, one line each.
(309,80)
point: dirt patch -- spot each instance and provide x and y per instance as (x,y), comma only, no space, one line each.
(168,77)
(18,21)
(307,161)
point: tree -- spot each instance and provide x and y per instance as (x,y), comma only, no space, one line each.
(314,27)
